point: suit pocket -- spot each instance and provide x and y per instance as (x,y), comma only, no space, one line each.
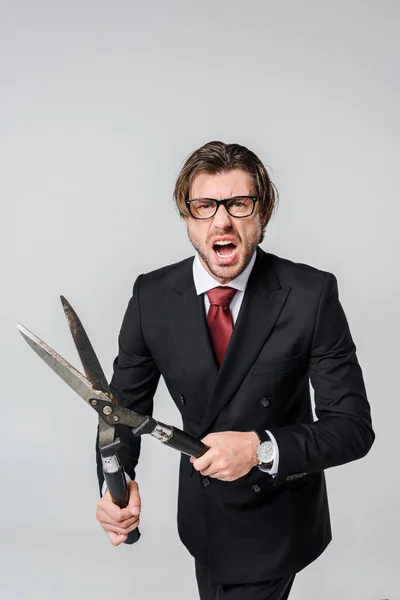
(272,367)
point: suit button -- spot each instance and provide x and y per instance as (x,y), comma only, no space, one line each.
(295,476)
(256,488)
(182,399)
(265,402)
(205,482)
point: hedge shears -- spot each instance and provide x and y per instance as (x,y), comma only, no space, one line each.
(94,389)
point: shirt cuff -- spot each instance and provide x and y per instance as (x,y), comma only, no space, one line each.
(273,470)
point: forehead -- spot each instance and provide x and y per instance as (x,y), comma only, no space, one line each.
(235,182)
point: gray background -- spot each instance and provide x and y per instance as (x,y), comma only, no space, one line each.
(100,104)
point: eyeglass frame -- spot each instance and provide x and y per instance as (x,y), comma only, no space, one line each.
(223,202)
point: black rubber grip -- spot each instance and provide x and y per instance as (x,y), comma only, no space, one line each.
(186,444)
(116,485)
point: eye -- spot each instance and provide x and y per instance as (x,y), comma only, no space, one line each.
(239,202)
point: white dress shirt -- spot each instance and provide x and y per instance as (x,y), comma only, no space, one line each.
(204,282)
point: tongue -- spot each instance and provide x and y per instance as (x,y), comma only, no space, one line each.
(225,250)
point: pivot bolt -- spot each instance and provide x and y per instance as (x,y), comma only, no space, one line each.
(107,410)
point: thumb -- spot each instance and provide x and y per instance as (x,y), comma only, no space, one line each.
(134,497)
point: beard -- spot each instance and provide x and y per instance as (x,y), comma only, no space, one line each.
(225,273)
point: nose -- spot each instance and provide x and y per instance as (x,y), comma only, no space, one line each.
(222,218)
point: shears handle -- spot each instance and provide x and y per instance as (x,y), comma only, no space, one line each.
(114,477)
(185,443)
(173,437)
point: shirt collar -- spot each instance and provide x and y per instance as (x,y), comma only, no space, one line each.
(204,282)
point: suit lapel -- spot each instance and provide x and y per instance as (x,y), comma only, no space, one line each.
(262,304)
(188,326)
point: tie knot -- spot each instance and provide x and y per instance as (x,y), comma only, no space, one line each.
(221,296)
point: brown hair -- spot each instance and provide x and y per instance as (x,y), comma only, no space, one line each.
(215,157)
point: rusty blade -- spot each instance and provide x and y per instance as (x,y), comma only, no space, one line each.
(78,382)
(71,376)
(90,362)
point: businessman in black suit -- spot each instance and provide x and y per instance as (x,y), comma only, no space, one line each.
(238,334)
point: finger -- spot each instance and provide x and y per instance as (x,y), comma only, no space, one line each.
(211,471)
(218,464)
(204,461)
(218,475)
(120,530)
(113,514)
(222,476)
(209,439)
(135,502)
(103,518)
(113,511)
(116,539)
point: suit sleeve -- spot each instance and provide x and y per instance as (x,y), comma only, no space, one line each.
(343,431)
(133,384)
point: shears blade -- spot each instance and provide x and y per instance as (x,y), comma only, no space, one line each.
(89,360)
(78,382)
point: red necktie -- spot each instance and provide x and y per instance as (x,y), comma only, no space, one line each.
(219,319)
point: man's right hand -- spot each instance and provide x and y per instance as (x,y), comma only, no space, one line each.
(118,522)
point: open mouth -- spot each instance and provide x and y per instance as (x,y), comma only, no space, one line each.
(224,248)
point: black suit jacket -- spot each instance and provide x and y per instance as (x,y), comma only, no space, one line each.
(291,329)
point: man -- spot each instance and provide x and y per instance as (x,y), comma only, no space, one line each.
(237,334)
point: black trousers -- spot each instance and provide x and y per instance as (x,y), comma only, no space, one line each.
(273,589)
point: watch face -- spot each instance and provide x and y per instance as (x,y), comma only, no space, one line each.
(265,452)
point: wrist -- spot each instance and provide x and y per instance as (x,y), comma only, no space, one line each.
(254,441)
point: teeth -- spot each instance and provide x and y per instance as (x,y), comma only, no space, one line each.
(222,243)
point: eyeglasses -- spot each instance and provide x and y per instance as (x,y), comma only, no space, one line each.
(238,206)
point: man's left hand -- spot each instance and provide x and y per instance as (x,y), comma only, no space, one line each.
(232,455)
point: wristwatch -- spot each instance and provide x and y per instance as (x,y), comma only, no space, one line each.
(265,450)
